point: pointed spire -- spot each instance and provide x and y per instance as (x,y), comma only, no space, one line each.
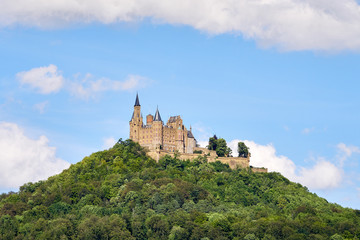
(157,115)
(137,102)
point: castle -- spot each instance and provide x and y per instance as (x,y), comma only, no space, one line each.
(171,137)
(174,139)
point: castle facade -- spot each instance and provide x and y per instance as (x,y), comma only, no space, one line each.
(155,135)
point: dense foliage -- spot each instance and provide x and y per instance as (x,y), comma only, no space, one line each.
(121,193)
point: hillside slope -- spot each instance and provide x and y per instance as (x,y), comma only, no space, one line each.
(121,193)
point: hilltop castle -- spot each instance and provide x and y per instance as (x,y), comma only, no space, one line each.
(155,135)
(174,139)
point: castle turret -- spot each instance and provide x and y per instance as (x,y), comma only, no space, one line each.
(136,121)
(157,115)
(158,129)
(137,102)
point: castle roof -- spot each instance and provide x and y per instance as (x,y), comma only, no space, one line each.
(137,102)
(173,119)
(157,115)
(189,134)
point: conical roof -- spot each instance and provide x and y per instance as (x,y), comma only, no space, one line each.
(137,102)
(157,115)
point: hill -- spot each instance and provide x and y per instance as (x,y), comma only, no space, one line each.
(121,193)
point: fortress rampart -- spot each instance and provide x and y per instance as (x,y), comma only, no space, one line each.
(233,162)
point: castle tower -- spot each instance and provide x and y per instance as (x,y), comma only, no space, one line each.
(158,129)
(136,121)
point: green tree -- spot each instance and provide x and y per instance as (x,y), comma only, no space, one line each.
(213,143)
(221,148)
(178,233)
(243,150)
(336,237)
(250,236)
(219,145)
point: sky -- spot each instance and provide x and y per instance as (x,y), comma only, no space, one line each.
(280,75)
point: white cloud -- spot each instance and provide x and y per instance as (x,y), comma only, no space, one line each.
(41,106)
(23,159)
(109,142)
(44,79)
(88,87)
(48,79)
(203,144)
(285,24)
(323,175)
(344,152)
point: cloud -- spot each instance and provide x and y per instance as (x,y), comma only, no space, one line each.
(41,106)
(44,79)
(23,159)
(109,142)
(323,175)
(345,152)
(307,130)
(285,24)
(48,79)
(88,87)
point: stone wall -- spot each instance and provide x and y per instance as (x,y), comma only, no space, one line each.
(206,151)
(233,162)
(261,170)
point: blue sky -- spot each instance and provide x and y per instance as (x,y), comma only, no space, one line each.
(286,84)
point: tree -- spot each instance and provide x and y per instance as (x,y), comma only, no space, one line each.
(243,150)
(213,143)
(221,148)
(219,145)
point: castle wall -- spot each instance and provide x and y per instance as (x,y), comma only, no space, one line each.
(261,170)
(191,145)
(169,143)
(234,162)
(206,151)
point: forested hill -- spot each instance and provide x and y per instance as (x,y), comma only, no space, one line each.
(121,193)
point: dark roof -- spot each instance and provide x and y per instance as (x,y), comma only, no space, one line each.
(157,115)
(173,119)
(137,102)
(190,135)
(132,116)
